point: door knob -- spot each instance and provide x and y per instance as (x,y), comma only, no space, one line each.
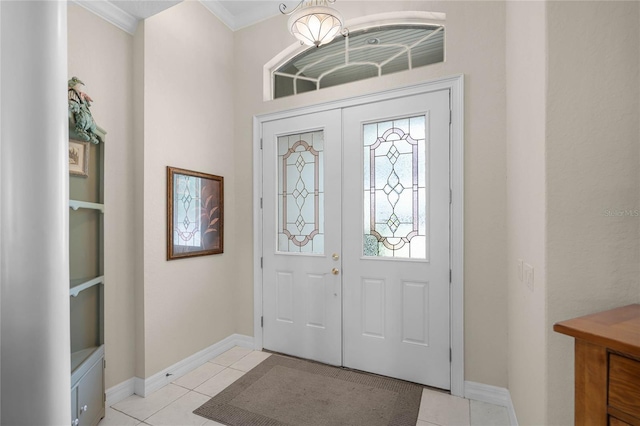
(335,271)
(335,256)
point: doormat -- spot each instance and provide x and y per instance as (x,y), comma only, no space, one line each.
(289,391)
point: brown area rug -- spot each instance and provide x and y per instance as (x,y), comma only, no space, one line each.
(288,391)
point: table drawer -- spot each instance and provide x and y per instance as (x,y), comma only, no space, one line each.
(617,422)
(624,384)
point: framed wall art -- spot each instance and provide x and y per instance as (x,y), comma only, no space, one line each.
(195,213)
(78,158)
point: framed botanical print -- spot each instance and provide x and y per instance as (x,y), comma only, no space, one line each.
(78,158)
(195,213)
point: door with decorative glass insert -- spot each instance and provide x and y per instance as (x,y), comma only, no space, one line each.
(356,237)
(396,238)
(302,294)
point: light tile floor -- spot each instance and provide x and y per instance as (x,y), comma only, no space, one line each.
(173,404)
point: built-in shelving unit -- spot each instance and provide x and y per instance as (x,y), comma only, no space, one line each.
(86,288)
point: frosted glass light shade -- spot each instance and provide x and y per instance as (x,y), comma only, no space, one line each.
(315,25)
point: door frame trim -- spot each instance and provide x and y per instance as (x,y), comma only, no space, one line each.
(456,86)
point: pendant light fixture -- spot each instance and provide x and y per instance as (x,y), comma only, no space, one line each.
(314,22)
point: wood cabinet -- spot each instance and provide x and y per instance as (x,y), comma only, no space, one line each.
(607,366)
(86,291)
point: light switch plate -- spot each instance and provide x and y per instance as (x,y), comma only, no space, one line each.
(520,262)
(528,276)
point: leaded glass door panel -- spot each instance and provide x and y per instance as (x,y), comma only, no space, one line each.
(396,238)
(356,237)
(301,221)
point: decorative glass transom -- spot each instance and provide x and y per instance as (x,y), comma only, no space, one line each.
(395,189)
(301,193)
(187,203)
(363,54)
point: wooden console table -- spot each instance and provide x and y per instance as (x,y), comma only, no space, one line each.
(607,366)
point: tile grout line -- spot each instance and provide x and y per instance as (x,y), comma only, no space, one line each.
(176,400)
(225,367)
(183,387)
(206,380)
(218,373)
(162,408)
(128,415)
(203,394)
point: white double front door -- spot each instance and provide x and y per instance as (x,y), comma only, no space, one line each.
(356,213)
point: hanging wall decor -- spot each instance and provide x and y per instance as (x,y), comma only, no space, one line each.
(195,213)
(78,158)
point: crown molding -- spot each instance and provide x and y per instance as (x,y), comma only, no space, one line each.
(221,12)
(111,14)
(128,23)
(255,15)
(258,12)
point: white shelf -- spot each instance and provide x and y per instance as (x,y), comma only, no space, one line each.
(83,360)
(84,284)
(77,204)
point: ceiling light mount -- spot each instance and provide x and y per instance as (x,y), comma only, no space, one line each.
(314,22)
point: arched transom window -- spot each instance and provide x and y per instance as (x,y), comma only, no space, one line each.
(365,53)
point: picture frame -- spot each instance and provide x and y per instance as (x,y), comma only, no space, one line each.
(79,158)
(195,213)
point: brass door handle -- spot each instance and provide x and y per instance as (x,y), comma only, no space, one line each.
(335,271)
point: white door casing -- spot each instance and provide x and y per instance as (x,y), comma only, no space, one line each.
(455,85)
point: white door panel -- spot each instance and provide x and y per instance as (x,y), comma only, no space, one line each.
(396,238)
(301,192)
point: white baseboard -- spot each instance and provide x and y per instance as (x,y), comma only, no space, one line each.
(144,387)
(492,395)
(120,391)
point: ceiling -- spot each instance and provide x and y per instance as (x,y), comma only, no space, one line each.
(235,14)
(143,9)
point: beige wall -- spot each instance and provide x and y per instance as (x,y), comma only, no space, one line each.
(475,47)
(592,169)
(188,123)
(173,77)
(551,142)
(526,206)
(137,249)
(101,56)
(572,155)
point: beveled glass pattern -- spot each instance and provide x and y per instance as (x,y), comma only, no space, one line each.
(187,204)
(395,189)
(301,193)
